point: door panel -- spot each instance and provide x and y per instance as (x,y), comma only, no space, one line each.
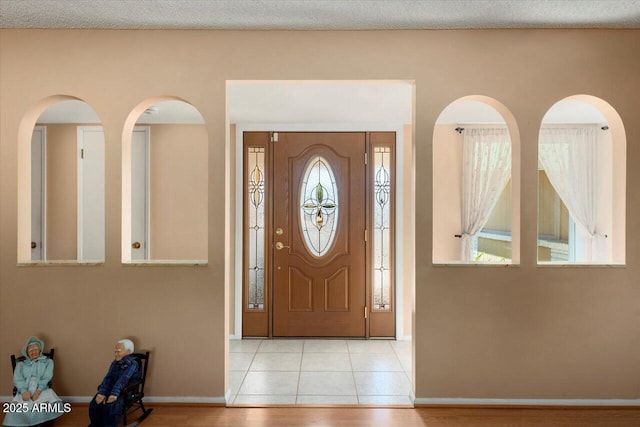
(336,291)
(319,272)
(300,291)
(91,193)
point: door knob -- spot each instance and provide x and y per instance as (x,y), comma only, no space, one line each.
(34,245)
(280,246)
(135,245)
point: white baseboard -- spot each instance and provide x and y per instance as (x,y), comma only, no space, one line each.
(427,401)
(525,402)
(147,399)
(77,399)
(72,399)
(220,400)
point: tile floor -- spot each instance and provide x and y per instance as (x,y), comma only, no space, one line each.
(323,372)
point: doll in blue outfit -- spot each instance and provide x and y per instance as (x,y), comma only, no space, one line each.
(31,379)
(107,405)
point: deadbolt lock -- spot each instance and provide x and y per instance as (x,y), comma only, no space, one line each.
(279,231)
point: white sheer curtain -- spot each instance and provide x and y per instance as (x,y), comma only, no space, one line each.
(570,159)
(486,168)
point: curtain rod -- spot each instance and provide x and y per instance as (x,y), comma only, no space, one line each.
(460,129)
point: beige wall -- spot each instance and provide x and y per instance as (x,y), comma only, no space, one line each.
(62,191)
(518,332)
(178,192)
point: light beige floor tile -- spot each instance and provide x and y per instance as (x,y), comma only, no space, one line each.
(281,346)
(235,381)
(240,361)
(382,384)
(403,354)
(276,362)
(406,366)
(327,384)
(326,400)
(401,347)
(385,400)
(405,359)
(270,399)
(270,383)
(320,372)
(244,346)
(409,374)
(325,362)
(325,346)
(369,346)
(375,362)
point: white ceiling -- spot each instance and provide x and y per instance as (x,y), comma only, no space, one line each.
(319,14)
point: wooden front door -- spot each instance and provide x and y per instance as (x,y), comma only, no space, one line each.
(319,221)
(318,234)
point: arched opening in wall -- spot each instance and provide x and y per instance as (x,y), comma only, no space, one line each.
(581,183)
(61,211)
(165,183)
(476,174)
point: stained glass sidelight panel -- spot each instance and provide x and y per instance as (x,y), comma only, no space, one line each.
(319,206)
(256,207)
(382,229)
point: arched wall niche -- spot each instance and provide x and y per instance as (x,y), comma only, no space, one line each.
(476,111)
(24,172)
(608,246)
(173,227)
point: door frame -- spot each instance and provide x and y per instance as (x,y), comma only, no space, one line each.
(402,282)
(43,189)
(146,129)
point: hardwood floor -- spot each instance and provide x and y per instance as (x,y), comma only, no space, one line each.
(168,416)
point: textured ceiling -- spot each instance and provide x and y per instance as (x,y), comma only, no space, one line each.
(319,14)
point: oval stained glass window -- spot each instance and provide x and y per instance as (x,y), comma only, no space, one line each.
(318,206)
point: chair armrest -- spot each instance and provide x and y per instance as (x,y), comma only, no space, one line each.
(131,388)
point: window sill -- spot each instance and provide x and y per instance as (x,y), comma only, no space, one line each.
(167,263)
(577,264)
(59,263)
(150,263)
(472,264)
